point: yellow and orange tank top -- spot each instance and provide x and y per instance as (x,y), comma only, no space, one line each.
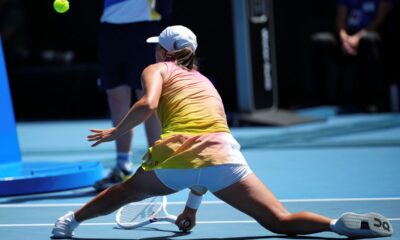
(194,125)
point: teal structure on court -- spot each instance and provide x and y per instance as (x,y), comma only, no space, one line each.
(17,177)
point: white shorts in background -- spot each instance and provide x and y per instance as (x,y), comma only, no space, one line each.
(214,178)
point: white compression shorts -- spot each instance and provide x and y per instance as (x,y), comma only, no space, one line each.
(214,178)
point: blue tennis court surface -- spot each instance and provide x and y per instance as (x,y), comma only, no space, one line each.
(347,163)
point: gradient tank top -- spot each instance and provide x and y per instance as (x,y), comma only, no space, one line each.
(194,126)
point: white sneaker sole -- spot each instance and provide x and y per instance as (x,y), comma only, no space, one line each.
(367,225)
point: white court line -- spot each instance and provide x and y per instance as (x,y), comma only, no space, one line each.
(113,223)
(158,223)
(208,202)
(340,199)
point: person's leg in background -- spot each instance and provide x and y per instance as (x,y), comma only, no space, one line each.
(394,51)
(112,81)
(323,68)
(119,101)
(372,85)
(147,57)
(152,125)
(349,96)
(123,54)
(391,64)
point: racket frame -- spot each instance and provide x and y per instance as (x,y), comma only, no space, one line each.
(151,219)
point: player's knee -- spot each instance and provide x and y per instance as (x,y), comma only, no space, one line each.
(271,224)
(281,224)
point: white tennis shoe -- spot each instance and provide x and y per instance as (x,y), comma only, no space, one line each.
(64,226)
(363,225)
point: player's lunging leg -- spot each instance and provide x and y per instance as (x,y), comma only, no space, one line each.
(142,185)
(252,197)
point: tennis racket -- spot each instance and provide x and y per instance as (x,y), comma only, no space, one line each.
(139,214)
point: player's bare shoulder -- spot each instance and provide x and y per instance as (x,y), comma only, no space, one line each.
(155,69)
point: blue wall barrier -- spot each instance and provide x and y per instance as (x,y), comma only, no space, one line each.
(16,177)
(9,147)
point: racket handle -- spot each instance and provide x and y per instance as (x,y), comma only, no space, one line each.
(184,224)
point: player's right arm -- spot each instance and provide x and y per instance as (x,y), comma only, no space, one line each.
(187,219)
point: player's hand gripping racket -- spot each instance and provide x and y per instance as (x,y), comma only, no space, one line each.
(139,214)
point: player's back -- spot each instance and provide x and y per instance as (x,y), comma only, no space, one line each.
(190,104)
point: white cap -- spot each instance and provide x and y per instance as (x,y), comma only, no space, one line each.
(175,37)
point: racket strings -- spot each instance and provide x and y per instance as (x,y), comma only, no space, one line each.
(132,213)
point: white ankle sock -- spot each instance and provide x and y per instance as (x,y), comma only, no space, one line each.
(338,227)
(74,223)
(332,225)
(124,161)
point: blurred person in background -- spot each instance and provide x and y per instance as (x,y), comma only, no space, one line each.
(123,54)
(346,65)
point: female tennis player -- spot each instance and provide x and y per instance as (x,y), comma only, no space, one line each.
(197,150)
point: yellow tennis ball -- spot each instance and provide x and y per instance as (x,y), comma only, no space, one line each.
(61,6)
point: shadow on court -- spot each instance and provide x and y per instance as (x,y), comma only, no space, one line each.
(57,196)
(180,234)
(153,229)
(174,235)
